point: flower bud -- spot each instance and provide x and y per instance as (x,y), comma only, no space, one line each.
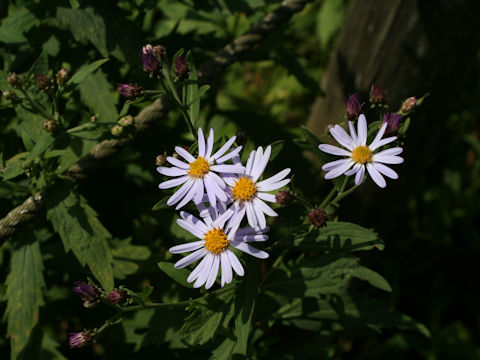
(353,107)
(130,91)
(43,82)
(284,197)
(408,105)
(117,130)
(62,77)
(117,296)
(377,95)
(317,217)
(159,51)
(126,121)
(93,119)
(10,95)
(161,160)
(393,122)
(151,64)
(81,339)
(181,68)
(14,80)
(50,125)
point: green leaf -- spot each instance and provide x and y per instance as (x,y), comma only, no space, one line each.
(179,275)
(86,70)
(330,20)
(337,235)
(16,24)
(85,25)
(201,325)
(162,204)
(96,93)
(40,146)
(277,146)
(81,231)
(244,305)
(193,95)
(24,292)
(372,277)
(126,256)
(224,350)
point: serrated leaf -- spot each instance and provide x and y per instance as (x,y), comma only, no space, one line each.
(96,93)
(40,146)
(179,275)
(85,26)
(125,256)
(84,71)
(81,231)
(201,325)
(16,24)
(337,235)
(24,292)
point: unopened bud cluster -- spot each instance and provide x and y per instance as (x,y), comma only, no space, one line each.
(317,217)
(353,107)
(124,122)
(284,197)
(408,105)
(378,96)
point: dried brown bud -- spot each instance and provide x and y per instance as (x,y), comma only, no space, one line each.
(161,160)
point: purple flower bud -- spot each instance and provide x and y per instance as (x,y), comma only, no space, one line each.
(393,121)
(159,51)
(317,217)
(14,80)
(353,107)
(43,82)
(181,68)
(81,339)
(130,91)
(62,76)
(284,197)
(377,95)
(117,296)
(151,64)
(408,105)
(85,291)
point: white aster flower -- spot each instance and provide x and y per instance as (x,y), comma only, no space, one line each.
(214,245)
(198,176)
(360,156)
(248,195)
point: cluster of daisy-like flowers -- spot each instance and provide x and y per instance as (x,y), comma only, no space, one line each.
(224,192)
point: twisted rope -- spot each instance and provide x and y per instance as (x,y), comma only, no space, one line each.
(158,109)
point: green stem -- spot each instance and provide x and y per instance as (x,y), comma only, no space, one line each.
(36,105)
(329,197)
(112,321)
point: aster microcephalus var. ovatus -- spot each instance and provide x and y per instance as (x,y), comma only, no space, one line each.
(249,195)
(360,156)
(199,175)
(217,238)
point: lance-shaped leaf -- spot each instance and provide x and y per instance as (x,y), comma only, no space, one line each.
(24,293)
(81,231)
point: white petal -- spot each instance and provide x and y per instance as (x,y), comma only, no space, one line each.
(205,271)
(222,219)
(258,170)
(201,143)
(250,231)
(266,196)
(247,238)
(382,142)
(387,159)
(194,230)
(238,216)
(180,192)
(190,259)
(251,159)
(198,269)
(330,149)
(209,144)
(224,148)
(360,174)
(186,247)
(353,170)
(226,269)
(379,135)
(342,137)
(251,216)
(249,249)
(236,264)
(265,208)
(362,129)
(353,134)
(178,163)
(173,182)
(385,170)
(274,186)
(213,272)
(199,191)
(277,177)
(262,222)
(222,168)
(171,171)
(196,222)
(376,176)
(230,155)
(210,187)
(218,191)
(335,164)
(190,194)
(185,154)
(340,170)
(391,151)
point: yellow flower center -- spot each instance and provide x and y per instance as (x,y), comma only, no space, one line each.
(199,168)
(216,241)
(244,189)
(362,155)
